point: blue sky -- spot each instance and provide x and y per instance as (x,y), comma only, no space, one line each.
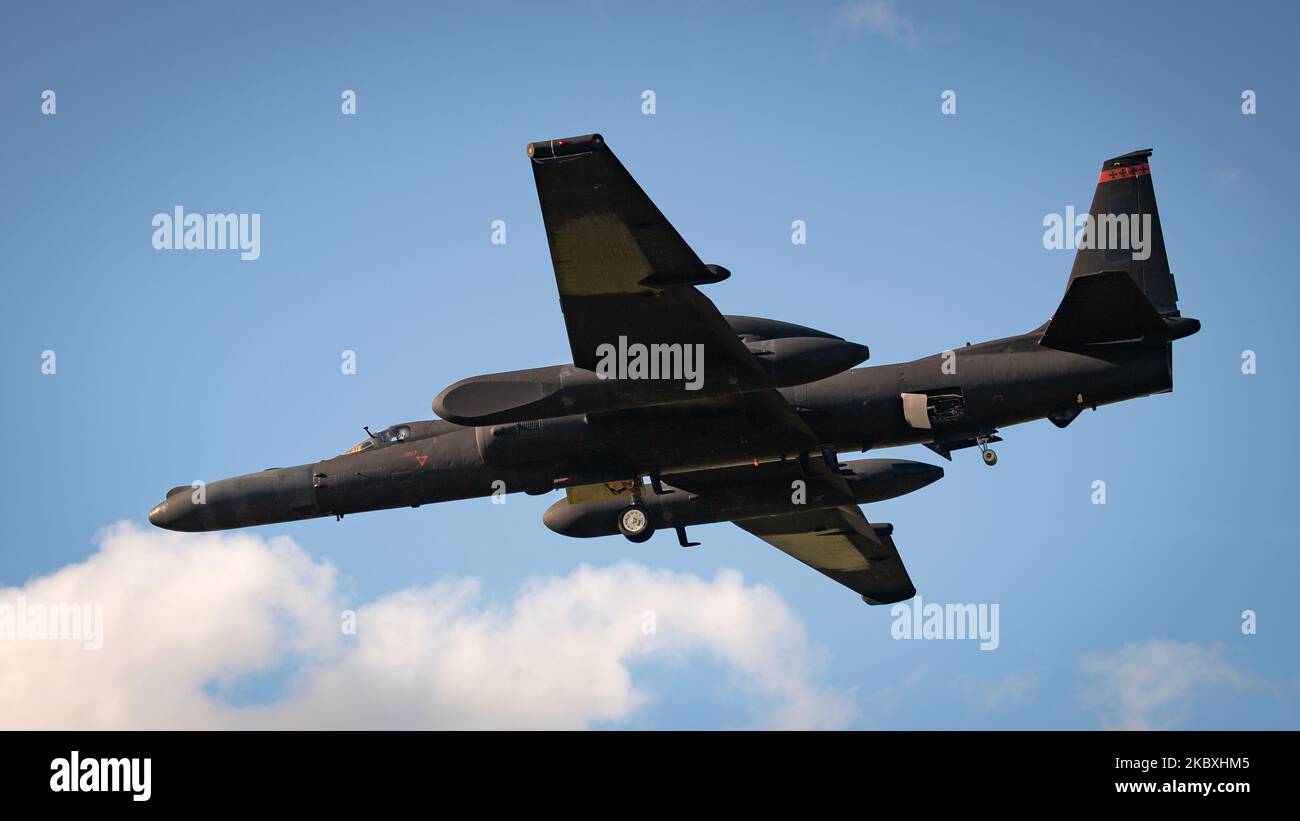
(924,232)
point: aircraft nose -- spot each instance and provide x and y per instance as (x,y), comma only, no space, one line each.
(176,512)
(165,514)
(267,497)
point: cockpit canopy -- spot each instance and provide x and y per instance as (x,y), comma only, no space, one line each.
(387,436)
(404,432)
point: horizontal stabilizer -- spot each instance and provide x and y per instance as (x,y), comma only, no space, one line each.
(1103,307)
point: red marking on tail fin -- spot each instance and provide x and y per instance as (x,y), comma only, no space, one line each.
(1124,172)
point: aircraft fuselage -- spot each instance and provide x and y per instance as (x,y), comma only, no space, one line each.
(967,394)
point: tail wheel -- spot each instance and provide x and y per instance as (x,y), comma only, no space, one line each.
(990,458)
(635,524)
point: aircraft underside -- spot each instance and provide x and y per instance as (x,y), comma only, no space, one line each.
(672,415)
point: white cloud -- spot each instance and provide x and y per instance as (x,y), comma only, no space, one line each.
(188,617)
(879,17)
(1151,684)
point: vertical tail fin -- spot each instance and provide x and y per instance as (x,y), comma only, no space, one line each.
(1120,286)
(1125,231)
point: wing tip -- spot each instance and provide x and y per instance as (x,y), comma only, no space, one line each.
(890,598)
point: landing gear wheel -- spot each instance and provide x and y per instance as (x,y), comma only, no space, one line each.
(990,458)
(635,524)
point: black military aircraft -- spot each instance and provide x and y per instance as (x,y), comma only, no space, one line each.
(731,418)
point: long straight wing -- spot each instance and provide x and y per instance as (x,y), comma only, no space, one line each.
(840,543)
(621,268)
